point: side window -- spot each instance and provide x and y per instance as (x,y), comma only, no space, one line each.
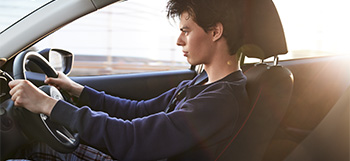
(126,37)
(314,28)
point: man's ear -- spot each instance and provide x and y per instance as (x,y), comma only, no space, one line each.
(217,31)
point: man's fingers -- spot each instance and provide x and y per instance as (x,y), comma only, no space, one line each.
(13,83)
(51,81)
(16,98)
(17,102)
(48,80)
(17,91)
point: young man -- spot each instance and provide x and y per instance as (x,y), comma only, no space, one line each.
(195,126)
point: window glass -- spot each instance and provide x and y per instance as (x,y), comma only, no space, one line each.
(135,36)
(314,28)
(127,37)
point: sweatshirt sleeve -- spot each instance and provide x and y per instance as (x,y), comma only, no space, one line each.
(124,108)
(155,136)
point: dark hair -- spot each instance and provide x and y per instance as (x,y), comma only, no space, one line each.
(207,13)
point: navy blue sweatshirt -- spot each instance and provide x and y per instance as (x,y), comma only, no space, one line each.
(198,129)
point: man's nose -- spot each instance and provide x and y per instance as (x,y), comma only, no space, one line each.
(180,42)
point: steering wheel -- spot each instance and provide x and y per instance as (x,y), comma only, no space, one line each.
(39,126)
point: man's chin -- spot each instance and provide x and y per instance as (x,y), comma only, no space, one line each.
(192,63)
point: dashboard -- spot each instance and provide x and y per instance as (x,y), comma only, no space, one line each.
(4,88)
(10,134)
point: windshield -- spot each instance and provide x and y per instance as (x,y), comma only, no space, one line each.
(13,10)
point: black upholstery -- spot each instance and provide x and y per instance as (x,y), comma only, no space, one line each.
(269,87)
(264,35)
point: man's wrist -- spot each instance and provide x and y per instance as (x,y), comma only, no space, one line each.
(78,90)
(50,104)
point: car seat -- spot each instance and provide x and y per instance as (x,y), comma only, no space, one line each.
(269,86)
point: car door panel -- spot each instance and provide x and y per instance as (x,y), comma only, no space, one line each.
(137,86)
(318,84)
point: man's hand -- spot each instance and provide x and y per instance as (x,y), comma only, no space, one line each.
(25,94)
(65,83)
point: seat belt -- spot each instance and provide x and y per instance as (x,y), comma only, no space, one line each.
(203,77)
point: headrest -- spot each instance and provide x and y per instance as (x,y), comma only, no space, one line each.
(264,35)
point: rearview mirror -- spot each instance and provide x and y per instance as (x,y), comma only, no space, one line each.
(60,60)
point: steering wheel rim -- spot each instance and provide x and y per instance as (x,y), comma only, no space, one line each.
(39,126)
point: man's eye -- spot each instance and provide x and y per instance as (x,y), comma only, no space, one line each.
(184,30)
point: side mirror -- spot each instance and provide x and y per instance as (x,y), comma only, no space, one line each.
(60,60)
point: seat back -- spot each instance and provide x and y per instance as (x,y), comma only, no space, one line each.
(269,90)
(269,87)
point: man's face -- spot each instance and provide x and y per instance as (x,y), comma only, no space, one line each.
(196,43)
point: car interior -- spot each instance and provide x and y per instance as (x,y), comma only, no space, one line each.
(299,108)
(269,86)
